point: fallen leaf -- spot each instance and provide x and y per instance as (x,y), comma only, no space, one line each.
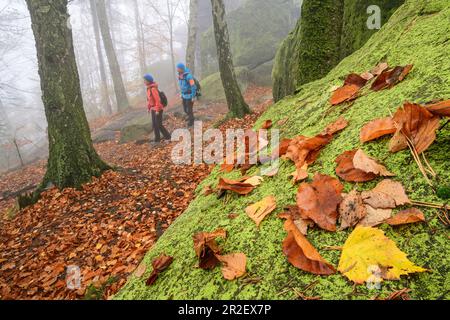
(300,174)
(389,78)
(303,150)
(227,167)
(335,127)
(344,94)
(417,124)
(351,210)
(319,201)
(293,213)
(377,128)
(267,125)
(236,186)
(355,79)
(301,253)
(346,169)
(369,165)
(407,216)
(395,190)
(140,270)
(234,265)
(208,190)
(206,248)
(258,211)
(379,69)
(369,254)
(441,109)
(375,217)
(254,181)
(378,200)
(159,265)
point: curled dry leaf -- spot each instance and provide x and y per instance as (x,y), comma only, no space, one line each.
(234,265)
(319,201)
(303,150)
(206,248)
(300,174)
(352,84)
(379,69)
(417,124)
(236,186)
(159,265)
(377,128)
(369,165)
(389,78)
(301,253)
(351,210)
(254,181)
(407,216)
(258,211)
(395,190)
(346,169)
(267,125)
(441,109)
(368,253)
(375,217)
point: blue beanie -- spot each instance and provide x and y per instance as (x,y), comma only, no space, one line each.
(181,66)
(149,77)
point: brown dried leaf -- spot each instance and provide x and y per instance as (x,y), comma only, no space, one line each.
(236,186)
(375,217)
(346,170)
(159,265)
(363,162)
(301,254)
(377,128)
(234,265)
(407,216)
(344,94)
(335,127)
(440,109)
(258,211)
(351,210)
(319,201)
(267,125)
(395,190)
(206,248)
(389,78)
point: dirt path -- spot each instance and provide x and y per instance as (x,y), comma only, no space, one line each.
(104,229)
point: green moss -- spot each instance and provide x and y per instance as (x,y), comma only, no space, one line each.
(409,37)
(212,88)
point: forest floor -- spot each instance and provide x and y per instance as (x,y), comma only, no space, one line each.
(106,228)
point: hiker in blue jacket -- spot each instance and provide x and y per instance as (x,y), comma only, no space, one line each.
(188,91)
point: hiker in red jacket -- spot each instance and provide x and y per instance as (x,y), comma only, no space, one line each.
(156,108)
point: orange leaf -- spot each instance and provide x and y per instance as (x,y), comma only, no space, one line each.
(159,265)
(206,248)
(369,165)
(346,169)
(335,127)
(267,125)
(440,109)
(258,211)
(301,253)
(389,78)
(319,201)
(236,186)
(234,265)
(343,94)
(412,215)
(377,128)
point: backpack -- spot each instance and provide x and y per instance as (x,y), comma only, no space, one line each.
(163,98)
(199,87)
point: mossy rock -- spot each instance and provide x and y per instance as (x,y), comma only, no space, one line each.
(136,129)
(418,33)
(212,88)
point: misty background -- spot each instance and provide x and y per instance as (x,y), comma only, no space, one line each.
(136,27)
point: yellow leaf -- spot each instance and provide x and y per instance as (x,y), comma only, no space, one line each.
(258,211)
(254,181)
(368,253)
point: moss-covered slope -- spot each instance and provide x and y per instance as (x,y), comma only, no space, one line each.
(418,33)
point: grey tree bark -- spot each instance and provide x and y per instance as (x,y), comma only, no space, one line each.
(236,103)
(101,61)
(138,24)
(72,160)
(119,88)
(192,35)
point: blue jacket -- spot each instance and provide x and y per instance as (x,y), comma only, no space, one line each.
(188,92)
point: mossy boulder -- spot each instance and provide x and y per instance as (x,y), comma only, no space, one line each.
(137,129)
(327,32)
(418,33)
(212,88)
(256,30)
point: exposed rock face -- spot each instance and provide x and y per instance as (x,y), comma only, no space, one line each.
(327,32)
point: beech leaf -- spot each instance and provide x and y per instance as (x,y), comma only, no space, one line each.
(258,211)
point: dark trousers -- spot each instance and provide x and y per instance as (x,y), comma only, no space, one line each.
(188,106)
(158,127)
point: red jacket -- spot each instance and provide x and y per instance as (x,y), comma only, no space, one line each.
(153,100)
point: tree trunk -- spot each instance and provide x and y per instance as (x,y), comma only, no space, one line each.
(119,88)
(72,160)
(141,54)
(235,100)
(172,53)
(192,35)
(101,60)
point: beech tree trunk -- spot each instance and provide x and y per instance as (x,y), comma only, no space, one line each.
(236,103)
(119,88)
(72,160)
(101,61)
(192,35)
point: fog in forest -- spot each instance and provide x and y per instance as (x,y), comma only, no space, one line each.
(145,34)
